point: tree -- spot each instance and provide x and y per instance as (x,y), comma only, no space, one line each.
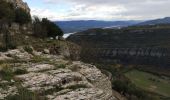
(39,29)
(22,17)
(45,28)
(52,29)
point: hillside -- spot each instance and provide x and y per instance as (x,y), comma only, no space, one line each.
(104,60)
(165,20)
(36,63)
(137,56)
(130,45)
(80,25)
(128,37)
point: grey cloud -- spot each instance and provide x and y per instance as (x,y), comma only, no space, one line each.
(142,9)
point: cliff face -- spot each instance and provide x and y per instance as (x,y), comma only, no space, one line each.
(51,77)
(13,30)
(19,4)
(15,33)
(144,44)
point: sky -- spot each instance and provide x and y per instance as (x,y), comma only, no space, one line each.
(109,10)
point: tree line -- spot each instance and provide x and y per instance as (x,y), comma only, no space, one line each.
(45,28)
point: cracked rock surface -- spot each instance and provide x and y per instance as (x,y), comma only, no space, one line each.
(53,78)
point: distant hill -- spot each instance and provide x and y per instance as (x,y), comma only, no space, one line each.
(127,37)
(81,25)
(129,45)
(165,20)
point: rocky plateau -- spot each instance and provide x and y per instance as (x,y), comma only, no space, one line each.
(51,77)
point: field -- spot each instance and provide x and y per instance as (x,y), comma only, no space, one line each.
(149,82)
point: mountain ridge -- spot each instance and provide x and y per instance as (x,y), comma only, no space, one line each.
(165,20)
(81,25)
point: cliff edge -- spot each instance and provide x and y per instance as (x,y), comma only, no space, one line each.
(44,76)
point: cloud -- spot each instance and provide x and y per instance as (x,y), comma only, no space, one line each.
(105,9)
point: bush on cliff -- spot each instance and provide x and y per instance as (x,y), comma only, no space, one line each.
(38,28)
(52,29)
(45,28)
(22,17)
(8,14)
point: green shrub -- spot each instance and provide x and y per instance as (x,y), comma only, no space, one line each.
(45,28)
(6,73)
(28,49)
(8,13)
(52,29)
(125,87)
(61,66)
(22,17)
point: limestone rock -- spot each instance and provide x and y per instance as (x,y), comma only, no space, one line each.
(4,57)
(6,91)
(46,51)
(41,67)
(58,79)
(20,54)
(19,4)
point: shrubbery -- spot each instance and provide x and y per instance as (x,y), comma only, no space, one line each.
(21,16)
(45,28)
(8,13)
(134,93)
(28,49)
(52,29)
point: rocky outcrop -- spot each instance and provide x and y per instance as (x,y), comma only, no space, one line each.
(19,4)
(53,78)
(150,56)
(113,52)
(14,30)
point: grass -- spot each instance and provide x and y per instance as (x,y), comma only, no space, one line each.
(28,49)
(150,82)
(6,73)
(20,71)
(61,66)
(37,59)
(24,94)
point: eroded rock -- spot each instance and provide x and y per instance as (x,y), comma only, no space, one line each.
(59,79)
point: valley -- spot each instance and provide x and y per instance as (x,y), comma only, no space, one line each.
(136,55)
(150,82)
(96,50)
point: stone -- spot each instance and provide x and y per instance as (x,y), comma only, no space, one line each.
(9,91)
(20,54)
(4,57)
(46,51)
(40,67)
(75,81)
(19,4)
(80,94)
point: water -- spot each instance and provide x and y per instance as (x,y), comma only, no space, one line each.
(66,35)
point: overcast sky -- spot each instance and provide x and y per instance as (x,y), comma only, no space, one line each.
(100,9)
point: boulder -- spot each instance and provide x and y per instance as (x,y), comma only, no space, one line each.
(46,51)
